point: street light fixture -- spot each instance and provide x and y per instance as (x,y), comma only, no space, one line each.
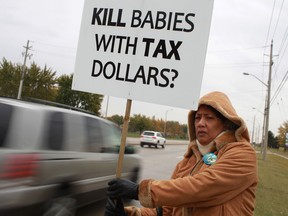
(248,74)
(258,110)
(166,121)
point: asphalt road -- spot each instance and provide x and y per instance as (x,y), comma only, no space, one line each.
(156,164)
(136,141)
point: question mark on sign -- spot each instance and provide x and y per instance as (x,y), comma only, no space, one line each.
(174,77)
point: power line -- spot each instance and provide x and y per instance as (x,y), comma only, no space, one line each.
(240,64)
(268,33)
(270,22)
(233,50)
(283,40)
(279,88)
(57,46)
(278,19)
(256,64)
(282,45)
(65,55)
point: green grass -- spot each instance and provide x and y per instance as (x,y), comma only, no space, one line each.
(134,135)
(272,191)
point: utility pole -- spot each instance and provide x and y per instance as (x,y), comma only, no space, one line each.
(267,110)
(26,54)
(263,126)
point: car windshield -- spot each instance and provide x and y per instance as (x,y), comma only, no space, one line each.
(148,133)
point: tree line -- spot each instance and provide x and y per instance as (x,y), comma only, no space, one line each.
(42,83)
(138,123)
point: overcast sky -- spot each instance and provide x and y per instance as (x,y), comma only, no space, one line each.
(240,37)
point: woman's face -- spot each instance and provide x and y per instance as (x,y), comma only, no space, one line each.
(207,125)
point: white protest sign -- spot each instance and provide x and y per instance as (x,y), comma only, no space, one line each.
(146,50)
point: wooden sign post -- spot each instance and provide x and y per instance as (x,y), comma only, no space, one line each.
(123,138)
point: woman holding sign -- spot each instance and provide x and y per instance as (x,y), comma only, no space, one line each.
(217,176)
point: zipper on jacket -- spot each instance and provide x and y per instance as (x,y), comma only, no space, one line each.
(196,165)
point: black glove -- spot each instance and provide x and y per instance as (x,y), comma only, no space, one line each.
(159,211)
(122,188)
(114,208)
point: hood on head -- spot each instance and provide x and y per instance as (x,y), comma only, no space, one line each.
(220,102)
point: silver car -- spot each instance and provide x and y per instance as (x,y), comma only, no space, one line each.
(49,152)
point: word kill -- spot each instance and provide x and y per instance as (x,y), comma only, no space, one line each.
(113,43)
(174,21)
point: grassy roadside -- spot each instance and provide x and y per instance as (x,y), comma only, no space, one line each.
(134,135)
(272,192)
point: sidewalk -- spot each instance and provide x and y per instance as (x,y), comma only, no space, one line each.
(269,152)
(283,156)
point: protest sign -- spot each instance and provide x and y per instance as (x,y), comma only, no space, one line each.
(152,51)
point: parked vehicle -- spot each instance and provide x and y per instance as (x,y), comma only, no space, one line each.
(152,138)
(42,147)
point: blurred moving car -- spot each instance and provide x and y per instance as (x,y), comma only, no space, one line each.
(153,138)
(44,148)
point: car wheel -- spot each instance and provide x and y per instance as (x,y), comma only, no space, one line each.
(163,146)
(61,206)
(141,144)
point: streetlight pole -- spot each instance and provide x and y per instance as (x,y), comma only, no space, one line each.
(166,121)
(267,102)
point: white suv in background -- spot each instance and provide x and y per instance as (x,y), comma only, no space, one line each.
(152,138)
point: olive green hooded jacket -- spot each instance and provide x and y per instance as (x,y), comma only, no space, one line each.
(226,188)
